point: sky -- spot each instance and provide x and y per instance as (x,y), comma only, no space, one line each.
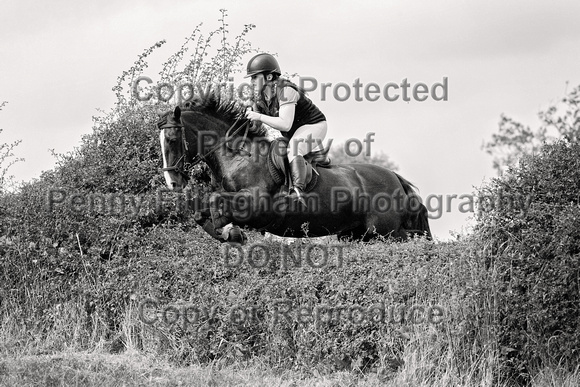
(59,61)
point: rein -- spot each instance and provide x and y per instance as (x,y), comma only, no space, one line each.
(198,158)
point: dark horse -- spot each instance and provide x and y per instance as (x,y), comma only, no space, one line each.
(358,201)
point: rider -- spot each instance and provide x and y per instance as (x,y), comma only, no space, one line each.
(284,106)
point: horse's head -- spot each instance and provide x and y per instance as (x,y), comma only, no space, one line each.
(174,150)
(207,131)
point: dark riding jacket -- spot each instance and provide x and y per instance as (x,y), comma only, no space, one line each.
(306,112)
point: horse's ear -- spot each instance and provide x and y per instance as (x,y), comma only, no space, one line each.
(177,113)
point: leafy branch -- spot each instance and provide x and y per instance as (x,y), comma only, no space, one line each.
(7,156)
(513,140)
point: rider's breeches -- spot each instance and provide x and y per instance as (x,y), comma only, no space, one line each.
(306,139)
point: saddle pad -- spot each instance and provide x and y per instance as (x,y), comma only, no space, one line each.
(280,169)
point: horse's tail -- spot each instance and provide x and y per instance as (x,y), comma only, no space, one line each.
(417,220)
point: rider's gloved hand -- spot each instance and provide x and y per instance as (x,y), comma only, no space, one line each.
(256,126)
(253,116)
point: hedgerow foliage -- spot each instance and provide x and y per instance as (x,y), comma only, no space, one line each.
(84,246)
(66,234)
(203,313)
(535,246)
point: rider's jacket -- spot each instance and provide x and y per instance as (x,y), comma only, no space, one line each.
(306,112)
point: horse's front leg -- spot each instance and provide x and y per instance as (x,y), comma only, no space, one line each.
(245,207)
(218,226)
(203,218)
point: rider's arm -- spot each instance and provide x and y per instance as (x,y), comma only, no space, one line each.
(285,118)
(288,99)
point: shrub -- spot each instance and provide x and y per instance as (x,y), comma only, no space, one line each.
(240,305)
(532,231)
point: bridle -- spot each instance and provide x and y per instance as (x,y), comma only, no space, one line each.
(185,167)
(180,166)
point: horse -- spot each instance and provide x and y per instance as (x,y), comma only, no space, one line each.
(352,201)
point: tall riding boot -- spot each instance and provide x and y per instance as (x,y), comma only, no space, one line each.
(298,171)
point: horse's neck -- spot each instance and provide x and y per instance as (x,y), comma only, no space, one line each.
(242,169)
(238,170)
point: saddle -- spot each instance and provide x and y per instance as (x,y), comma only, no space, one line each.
(279,166)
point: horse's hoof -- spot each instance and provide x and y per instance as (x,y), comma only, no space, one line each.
(237,235)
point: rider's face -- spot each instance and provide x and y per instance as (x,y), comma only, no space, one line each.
(258,82)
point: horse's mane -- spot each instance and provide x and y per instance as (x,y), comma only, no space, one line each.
(226,110)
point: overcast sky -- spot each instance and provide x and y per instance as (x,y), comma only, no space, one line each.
(60,59)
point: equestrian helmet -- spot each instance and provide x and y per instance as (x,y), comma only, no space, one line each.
(263,63)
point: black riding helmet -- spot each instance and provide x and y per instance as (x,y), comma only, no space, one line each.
(263,63)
